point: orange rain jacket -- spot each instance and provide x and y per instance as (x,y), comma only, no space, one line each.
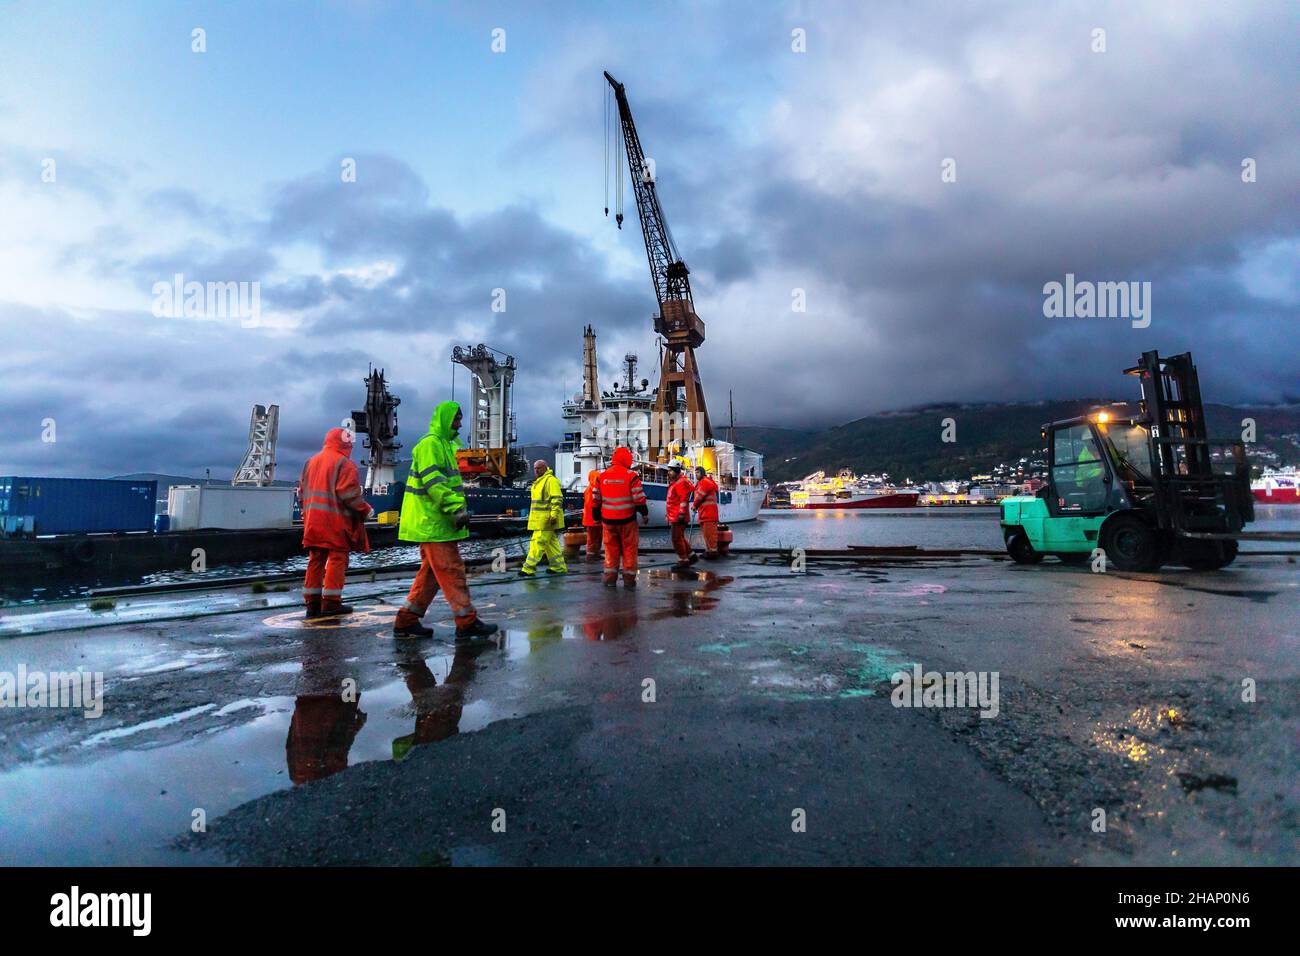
(706,499)
(679,500)
(589,519)
(619,497)
(332,504)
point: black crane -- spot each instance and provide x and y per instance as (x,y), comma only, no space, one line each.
(679,381)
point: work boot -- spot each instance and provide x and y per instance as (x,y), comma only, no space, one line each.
(313,609)
(475,632)
(610,580)
(334,610)
(413,630)
(550,570)
(710,555)
(525,573)
(693,558)
(683,565)
(629,581)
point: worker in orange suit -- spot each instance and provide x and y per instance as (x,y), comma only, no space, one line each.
(706,509)
(333,510)
(680,490)
(590,523)
(616,502)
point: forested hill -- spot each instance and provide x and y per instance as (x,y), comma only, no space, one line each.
(908,444)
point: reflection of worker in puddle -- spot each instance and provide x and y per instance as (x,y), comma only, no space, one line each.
(543,629)
(438,708)
(611,624)
(687,601)
(597,624)
(327,717)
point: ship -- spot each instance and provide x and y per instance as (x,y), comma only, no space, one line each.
(847,491)
(597,422)
(1277,486)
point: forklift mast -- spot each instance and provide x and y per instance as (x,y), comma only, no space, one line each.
(1171,404)
(1187,489)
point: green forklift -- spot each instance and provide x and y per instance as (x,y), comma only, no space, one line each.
(1148,491)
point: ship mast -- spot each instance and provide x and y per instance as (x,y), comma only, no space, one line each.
(590,383)
(679,390)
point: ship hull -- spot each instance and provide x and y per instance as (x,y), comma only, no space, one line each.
(854,504)
(742,503)
(1277,496)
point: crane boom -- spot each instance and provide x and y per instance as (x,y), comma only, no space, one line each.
(669,272)
(680,390)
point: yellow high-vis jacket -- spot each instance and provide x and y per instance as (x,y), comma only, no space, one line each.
(546,510)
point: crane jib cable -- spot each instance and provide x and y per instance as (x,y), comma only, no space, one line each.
(606,106)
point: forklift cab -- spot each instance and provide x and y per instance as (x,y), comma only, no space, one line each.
(1095,466)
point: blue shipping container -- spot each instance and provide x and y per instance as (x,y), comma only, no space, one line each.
(79,505)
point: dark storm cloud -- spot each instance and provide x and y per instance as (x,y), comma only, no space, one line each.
(445,268)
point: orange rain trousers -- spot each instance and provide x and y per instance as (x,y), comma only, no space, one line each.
(621,542)
(680,543)
(710,530)
(323,586)
(441,568)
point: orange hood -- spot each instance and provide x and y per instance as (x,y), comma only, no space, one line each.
(338,440)
(623,457)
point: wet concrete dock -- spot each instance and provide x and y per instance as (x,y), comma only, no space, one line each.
(735,713)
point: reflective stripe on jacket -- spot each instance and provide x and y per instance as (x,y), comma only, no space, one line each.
(706,499)
(619,495)
(433,486)
(333,506)
(546,509)
(679,497)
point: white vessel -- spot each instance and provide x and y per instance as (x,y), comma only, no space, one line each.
(596,423)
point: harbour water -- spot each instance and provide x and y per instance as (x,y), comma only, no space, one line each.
(952,527)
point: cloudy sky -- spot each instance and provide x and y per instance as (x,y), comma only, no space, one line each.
(798,146)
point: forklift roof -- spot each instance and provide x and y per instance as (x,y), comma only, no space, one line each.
(1085,419)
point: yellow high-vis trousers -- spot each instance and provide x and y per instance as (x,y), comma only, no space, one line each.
(545,544)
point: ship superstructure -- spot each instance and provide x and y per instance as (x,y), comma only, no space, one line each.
(1277,486)
(597,422)
(849,491)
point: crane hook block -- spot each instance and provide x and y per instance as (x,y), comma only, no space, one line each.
(619,218)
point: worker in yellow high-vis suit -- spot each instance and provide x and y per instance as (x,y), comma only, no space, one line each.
(545,521)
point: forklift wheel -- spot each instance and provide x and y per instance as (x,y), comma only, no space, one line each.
(1207,555)
(1131,544)
(1021,551)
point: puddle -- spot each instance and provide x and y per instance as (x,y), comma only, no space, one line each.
(133,790)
